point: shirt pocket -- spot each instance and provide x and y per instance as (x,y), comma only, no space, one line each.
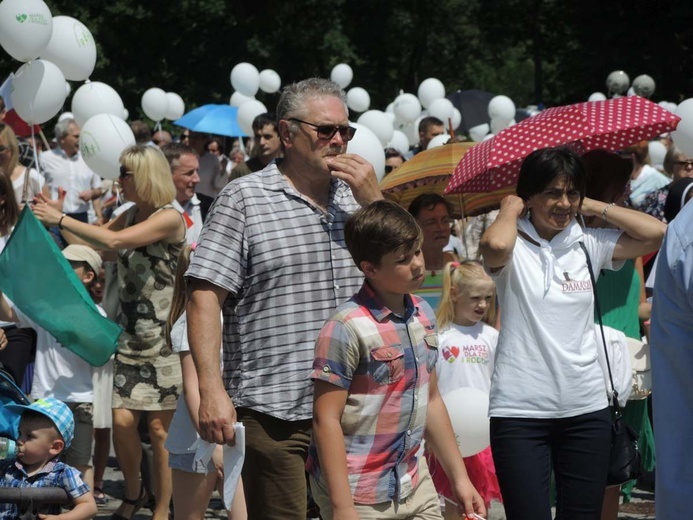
(387,364)
(431,342)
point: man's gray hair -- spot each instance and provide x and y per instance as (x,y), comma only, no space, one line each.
(62,128)
(294,97)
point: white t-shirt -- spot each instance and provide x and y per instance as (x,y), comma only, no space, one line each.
(70,173)
(465,357)
(58,372)
(546,363)
(182,436)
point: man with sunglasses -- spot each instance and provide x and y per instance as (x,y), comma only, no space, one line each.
(272,254)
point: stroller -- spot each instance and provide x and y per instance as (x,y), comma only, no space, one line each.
(31,501)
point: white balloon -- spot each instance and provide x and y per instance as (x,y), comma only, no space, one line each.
(25,28)
(65,115)
(456,118)
(358,99)
(126,114)
(399,142)
(72,48)
(391,117)
(38,91)
(499,123)
(245,78)
(501,106)
(683,135)
(644,85)
(443,109)
(390,108)
(237,99)
(478,132)
(379,124)
(342,75)
(487,137)
(155,104)
(247,112)
(657,151)
(270,81)
(468,411)
(176,106)
(630,92)
(102,140)
(430,90)
(94,98)
(596,96)
(407,108)
(68,88)
(438,140)
(366,144)
(617,82)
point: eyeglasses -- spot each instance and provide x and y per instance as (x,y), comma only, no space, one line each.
(124,172)
(684,164)
(328,131)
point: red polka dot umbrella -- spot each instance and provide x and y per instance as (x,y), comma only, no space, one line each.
(613,124)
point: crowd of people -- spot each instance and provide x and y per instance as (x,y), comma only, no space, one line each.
(281,291)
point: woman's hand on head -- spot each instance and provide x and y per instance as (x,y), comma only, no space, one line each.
(591,207)
(514,205)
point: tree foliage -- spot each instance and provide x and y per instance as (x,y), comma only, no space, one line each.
(535,51)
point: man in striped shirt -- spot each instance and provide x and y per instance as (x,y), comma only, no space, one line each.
(272,255)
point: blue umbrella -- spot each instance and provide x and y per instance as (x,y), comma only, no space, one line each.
(213,119)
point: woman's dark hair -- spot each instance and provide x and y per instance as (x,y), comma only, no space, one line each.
(607,175)
(428,201)
(544,165)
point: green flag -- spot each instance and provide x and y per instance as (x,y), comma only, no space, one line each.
(39,280)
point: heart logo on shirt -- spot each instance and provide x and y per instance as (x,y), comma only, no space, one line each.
(450,354)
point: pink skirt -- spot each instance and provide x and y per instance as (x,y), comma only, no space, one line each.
(481,471)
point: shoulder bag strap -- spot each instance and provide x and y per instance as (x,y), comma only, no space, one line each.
(25,189)
(614,395)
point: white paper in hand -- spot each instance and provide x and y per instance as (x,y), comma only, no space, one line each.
(233,461)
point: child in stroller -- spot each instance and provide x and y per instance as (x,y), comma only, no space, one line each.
(37,482)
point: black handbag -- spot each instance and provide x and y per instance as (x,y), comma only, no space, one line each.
(624,461)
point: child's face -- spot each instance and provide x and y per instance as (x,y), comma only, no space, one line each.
(38,441)
(400,271)
(472,301)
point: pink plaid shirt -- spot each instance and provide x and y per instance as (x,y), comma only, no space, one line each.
(384,361)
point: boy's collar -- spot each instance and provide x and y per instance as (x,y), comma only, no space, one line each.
(378,309)
(47,468)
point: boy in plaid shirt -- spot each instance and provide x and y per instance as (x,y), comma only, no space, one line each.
(45,430)
(376,396)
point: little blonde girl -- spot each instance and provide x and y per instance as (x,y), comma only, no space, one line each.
(467,345)
(193,481)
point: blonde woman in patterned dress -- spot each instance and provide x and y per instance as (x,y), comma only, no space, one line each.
(149,236)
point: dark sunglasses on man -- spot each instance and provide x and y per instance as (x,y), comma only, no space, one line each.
(328,131)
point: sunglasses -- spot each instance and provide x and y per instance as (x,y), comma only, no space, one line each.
(124,172)
(328,131)
(684,164)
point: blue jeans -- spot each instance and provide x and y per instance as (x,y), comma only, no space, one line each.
(577,448)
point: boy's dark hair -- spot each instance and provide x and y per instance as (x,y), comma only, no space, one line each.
(378,229)
(428,201)
(544,165)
